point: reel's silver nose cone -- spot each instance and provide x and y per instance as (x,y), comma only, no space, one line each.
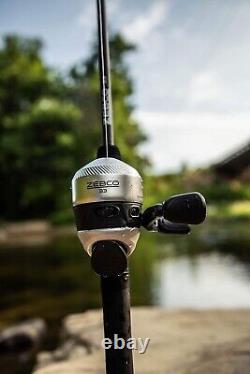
(106,179)
(107,197)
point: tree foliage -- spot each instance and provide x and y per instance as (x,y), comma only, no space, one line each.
(50,125)
(35,127)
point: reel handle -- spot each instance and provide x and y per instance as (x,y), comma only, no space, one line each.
(175,214)
(167,227)
(189,208)
(153,220)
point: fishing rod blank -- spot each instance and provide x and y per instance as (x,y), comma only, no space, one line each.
(105,81)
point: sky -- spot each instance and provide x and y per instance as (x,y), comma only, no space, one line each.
(191,68)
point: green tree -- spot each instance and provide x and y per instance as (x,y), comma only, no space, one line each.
(35,133)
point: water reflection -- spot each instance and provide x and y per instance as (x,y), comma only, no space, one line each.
(206,281)
(210,268)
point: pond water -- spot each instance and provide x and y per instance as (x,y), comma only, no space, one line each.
(208,269)
(208,281)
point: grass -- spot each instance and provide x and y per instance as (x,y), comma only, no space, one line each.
(233,210)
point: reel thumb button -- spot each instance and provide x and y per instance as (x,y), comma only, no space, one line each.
(134,211)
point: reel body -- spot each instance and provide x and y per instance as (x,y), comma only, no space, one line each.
(107,198)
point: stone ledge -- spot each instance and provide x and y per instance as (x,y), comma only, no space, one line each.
(182,342)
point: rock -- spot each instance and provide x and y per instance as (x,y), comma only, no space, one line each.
(182,342)
(19,345)
(91,364)
(67,351)
(84,329)
(23,338)
(79,338)
(45,358)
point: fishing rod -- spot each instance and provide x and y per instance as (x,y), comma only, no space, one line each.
(107,196)
(105,81)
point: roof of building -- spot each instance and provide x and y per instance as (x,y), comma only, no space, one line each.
(235,163)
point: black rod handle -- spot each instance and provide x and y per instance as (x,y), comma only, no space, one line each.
(116,319)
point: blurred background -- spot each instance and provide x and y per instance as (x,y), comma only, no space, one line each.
(180,86)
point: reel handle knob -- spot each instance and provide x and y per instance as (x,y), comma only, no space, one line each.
(188,208)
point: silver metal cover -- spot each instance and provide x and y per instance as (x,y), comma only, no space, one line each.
(106,179)
(126,235)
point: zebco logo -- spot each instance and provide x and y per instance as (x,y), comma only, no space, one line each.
(102,184)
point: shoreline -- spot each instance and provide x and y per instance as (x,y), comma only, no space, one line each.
(32,232)
(181,342)
(40,232)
